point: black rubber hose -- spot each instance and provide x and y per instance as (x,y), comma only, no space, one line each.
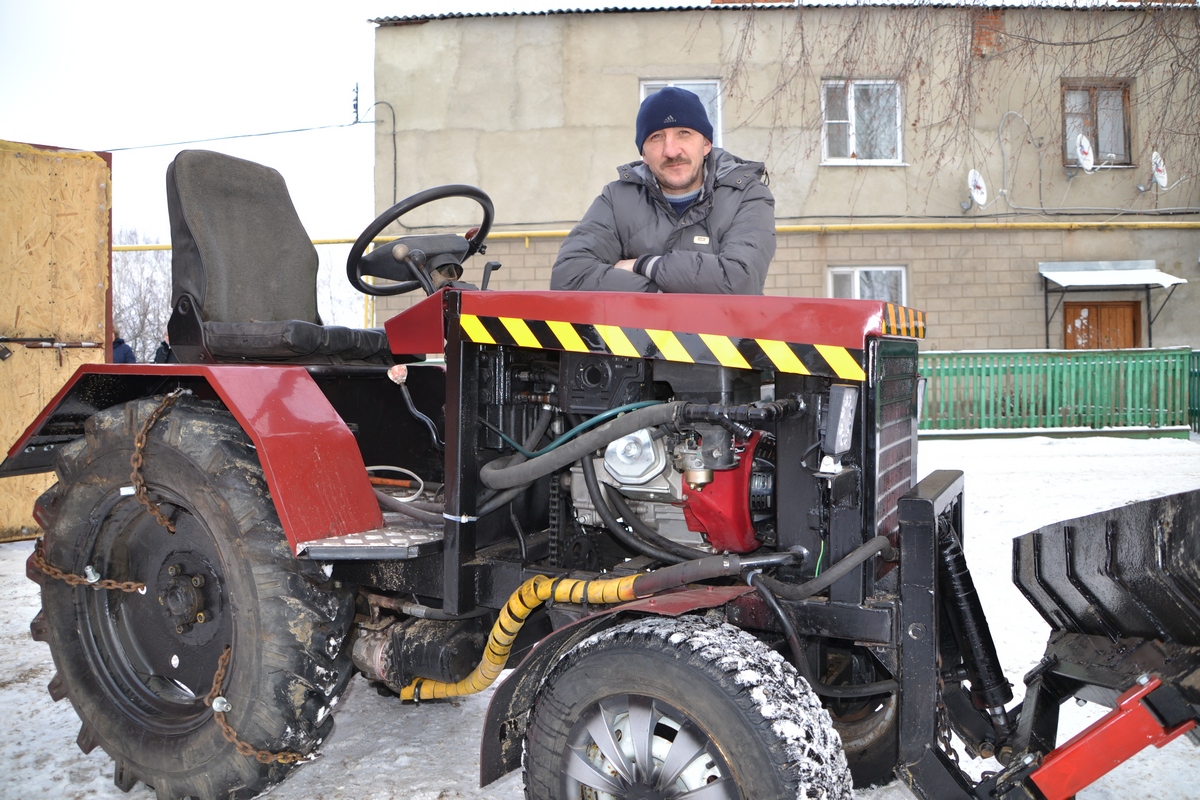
(854,559)
(642,530)
(508,475)
(801,661)
(412,409)
(503,498)
(789,630)
(420,515)
(616,528)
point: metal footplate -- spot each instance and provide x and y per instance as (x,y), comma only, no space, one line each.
(391,542)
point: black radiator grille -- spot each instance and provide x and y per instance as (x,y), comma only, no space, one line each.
(895,429)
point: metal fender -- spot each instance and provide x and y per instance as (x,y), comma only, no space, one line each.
(309,457)
(504,725)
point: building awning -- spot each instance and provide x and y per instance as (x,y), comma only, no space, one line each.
(1106,274)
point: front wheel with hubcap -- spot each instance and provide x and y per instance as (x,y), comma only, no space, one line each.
(662,708)
(138,665)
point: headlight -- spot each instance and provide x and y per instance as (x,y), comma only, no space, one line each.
(839,422)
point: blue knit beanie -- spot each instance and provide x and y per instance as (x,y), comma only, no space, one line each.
(672,108)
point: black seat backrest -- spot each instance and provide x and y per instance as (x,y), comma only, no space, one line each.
(238,247)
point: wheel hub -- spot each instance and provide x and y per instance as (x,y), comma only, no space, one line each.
(182,599)
(182,588)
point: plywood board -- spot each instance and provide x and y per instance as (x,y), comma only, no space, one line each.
(55,258)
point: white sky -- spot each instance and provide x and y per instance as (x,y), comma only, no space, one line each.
(130,73)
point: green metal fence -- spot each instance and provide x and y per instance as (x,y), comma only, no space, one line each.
(1194,391)
(1058,389)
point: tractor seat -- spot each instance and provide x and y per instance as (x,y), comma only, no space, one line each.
(244,271)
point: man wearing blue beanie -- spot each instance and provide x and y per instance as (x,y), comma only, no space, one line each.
(687,217)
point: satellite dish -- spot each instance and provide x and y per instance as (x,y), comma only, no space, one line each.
(977,187)
(1159,169)
(1084,156)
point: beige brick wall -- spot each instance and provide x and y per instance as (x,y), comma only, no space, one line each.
(981,289)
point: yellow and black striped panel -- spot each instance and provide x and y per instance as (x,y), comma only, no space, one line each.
(903,321)
(688,348)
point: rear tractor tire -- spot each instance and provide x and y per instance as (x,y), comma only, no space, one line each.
(137,667)
(680,708)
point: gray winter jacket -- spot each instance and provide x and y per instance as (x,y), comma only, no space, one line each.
(723,244)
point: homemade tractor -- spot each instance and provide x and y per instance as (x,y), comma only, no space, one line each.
(691,525)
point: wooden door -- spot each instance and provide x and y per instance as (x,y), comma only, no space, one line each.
(1102,326)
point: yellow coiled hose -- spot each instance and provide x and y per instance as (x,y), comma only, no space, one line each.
(520,605)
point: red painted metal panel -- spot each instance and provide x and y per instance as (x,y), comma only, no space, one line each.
(419,329)
(1104,745)
(312,464)
(843,323)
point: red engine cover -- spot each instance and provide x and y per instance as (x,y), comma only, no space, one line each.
(721,510)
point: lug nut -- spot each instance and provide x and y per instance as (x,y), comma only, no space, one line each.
(197,581)
(173,570)
(200,616)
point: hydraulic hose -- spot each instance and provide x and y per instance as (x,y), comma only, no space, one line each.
(855,558)
(431,514)
(801,661)
(541,588)
(535,436)
(407,509)
(616,528)
(421,611)
(509,475)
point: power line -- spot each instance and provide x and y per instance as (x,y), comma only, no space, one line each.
(236,136)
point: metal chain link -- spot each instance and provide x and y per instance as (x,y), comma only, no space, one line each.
(943,732)
(135,461)
(71,579)
(220,705)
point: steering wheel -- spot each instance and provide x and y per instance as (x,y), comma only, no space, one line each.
(398,261)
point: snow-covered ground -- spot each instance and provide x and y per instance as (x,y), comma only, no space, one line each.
(383,750)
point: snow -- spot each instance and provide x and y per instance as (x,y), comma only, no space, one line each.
(383,750)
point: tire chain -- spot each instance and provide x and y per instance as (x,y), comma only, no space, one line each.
(216,701)
(71,579)
(138,458)
(139,486)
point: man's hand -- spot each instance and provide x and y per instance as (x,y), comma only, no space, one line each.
(625,264)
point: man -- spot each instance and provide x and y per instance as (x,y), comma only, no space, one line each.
(122,352)
(688,217)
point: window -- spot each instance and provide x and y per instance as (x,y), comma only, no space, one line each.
(1100,111)
(861,122)
(868,283)
(709,93)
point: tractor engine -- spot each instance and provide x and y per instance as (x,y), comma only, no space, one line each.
(706,488)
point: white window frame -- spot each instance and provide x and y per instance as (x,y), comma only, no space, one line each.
(856,271)
(826,159)
(714,115)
